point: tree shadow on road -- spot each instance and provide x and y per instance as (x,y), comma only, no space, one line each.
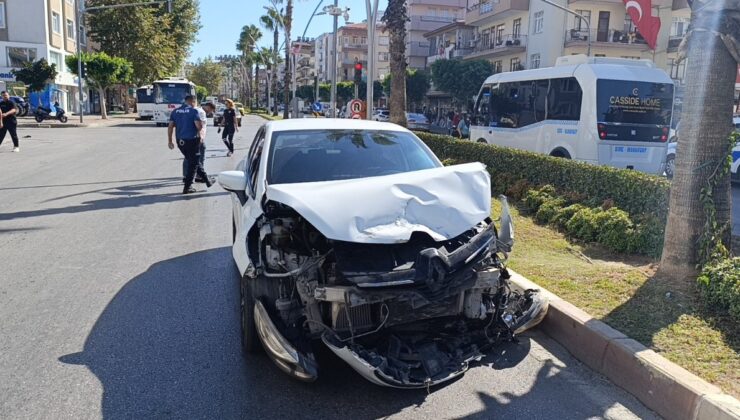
(168,345)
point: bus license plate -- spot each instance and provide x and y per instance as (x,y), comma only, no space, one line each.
(630,150)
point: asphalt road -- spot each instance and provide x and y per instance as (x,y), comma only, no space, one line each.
(119,299)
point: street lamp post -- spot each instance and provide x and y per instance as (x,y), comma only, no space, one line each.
(335,11)
(372,18)
(583,19)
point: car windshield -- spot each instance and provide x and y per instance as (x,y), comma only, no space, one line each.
(329,155)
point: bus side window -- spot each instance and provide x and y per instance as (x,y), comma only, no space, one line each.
(482,108)
(542,88)
(564,100)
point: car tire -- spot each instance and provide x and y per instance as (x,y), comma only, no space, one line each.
(482,141)
(250,339)
(670,166)
(560,153)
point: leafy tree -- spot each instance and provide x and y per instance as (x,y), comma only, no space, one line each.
(201,92)
(417,85)
(103,71)
(345,91)
(154,41)
(377,90)
(207,73)
(36,75)
(395,18)
(699,217)
(461,79)
(307,93)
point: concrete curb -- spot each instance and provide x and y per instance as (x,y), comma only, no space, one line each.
(664,387)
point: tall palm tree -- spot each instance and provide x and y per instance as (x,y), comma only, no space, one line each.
(257,59)
(702,143)
(395,19)
(287,26)
(248,39)
(273,21)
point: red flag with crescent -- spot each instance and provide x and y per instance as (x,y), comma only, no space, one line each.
(641,12)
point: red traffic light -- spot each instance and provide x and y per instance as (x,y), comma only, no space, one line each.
(358,66)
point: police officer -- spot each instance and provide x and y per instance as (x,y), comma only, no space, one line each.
(203,111)
(186,124)
(9,124)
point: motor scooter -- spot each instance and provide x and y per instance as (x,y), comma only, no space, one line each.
(43,113)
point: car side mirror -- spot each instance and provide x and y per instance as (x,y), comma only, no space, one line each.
(506,230)
(234,181)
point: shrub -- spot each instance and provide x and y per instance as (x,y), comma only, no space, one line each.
(583,224)
(647,237)
(518,190)
(548,210)
(534,198)
(719,284)
(615,229)
(634,192)
(566,213)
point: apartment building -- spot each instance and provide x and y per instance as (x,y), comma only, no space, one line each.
(426,16)
(35,29)
(450,41)
(527,34)
(322,56)
(353,49)
(305,66)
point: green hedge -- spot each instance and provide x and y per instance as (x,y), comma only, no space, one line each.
(635,192)
(719,283)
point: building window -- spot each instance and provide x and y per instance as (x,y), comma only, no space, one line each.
(677,70)
(539,22)
(535,61)
(56,23)
(497,67)
(83,37)
(679,26)
(500,34)
(515,64)
(383,40)
(17,57)
(70,29)
(2,15)
(383,56)
(56,59)
(581,24)
(486,7)
(517,28)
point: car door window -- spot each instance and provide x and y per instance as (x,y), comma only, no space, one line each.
(254,157)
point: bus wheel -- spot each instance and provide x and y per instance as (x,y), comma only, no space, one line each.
(560,153)
(482,141)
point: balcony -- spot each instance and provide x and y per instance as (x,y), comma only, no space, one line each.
(449,53)
(499,46)
(489,11)
(429,23)
(354,46)
(611,38)
(417,49)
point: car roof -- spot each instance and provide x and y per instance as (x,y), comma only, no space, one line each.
(331,124)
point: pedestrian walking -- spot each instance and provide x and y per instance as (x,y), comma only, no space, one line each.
(9,122)
(230,126)
(186,124)
(203,111)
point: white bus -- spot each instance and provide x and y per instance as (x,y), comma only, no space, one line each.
(169,94)
(145,102)
(606,111)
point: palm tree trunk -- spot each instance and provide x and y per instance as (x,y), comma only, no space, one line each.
(395,18)
(707,110)
(288,22)
(256,86)
(275,39)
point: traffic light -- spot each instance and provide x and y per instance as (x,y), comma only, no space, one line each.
(84,70)
(358,73)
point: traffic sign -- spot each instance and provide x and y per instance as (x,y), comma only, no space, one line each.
(356,116)
(356,108)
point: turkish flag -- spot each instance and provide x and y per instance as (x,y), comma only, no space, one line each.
(641,12)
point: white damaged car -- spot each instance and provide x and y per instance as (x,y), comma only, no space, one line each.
(351,234)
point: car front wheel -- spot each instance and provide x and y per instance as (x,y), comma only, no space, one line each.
(670,166)
(250,340)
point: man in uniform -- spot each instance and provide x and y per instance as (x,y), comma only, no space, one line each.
(203,111)
(9,123)
(186,124)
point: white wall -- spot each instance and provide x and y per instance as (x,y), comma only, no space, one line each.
(27,21)
(550,42)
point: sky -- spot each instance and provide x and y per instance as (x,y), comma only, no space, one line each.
(222,20)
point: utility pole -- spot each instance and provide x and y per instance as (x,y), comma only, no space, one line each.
(80,14)
(335,11)
(372,19)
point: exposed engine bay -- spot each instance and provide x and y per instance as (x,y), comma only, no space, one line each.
(408,314)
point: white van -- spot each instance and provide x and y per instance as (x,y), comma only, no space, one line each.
(606,111)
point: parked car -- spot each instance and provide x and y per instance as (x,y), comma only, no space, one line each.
(352,235)
(670,160)
(382,115)
(240,107)
(219,116)
(417,122)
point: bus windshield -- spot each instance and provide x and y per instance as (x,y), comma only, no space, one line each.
(144,96)
(630,102)
(172,93)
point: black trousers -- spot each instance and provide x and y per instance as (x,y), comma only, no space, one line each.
(228,137)
(201,161)
(9,127)
(190,149)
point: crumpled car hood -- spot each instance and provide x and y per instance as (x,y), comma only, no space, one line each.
(443,202)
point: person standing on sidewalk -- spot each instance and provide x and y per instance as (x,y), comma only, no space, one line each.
(186,124)
(230,126)
(9,121)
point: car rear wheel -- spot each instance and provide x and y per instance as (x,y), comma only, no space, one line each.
(250,339)
(670,165)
